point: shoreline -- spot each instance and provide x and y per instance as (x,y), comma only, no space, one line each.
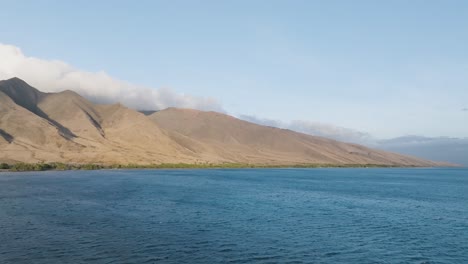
(23,167)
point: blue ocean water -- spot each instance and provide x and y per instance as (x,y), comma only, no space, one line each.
(235,216)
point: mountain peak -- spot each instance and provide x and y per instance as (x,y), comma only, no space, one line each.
(14,81)
(21,92)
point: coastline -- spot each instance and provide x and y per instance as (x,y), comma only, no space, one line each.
(23,167)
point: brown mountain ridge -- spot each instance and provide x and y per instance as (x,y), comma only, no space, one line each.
(65,127)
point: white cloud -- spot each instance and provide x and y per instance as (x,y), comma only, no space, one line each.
(55,76)
(316,129)
(331,131)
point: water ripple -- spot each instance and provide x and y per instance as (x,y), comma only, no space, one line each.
(235,216)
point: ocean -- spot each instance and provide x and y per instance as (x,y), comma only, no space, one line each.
(328,215)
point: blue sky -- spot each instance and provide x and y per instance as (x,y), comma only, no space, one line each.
(389,68)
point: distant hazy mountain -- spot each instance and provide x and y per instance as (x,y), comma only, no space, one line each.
(453,150)
(65,127)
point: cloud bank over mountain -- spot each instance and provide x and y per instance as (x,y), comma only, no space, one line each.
(99,87)
(315,129)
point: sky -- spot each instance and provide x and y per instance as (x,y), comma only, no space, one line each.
(381,69)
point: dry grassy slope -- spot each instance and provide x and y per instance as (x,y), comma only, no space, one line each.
(65,127)
(74,113)
(29,137)
(75,130)
(133,130)
(115,127)
(241,141)
(23,125)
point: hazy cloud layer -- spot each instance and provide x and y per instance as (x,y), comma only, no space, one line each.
(54,76)
(465,109)
(315,129)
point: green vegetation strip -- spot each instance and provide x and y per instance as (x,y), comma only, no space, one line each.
(62,166)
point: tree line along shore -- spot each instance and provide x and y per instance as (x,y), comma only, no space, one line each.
(63,166)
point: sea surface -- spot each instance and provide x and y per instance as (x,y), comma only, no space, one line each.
(235,216)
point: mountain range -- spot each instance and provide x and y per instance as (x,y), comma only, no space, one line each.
(65,127)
